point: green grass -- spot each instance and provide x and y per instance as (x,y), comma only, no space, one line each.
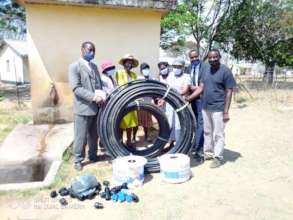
(1,98)
(9,119)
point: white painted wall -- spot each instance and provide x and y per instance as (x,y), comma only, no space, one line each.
(15,70)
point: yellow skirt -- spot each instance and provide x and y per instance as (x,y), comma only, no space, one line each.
(129,120)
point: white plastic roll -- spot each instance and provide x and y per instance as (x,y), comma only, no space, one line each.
(130,170)
(175,168)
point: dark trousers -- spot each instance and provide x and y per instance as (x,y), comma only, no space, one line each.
(85,132)
(197,110)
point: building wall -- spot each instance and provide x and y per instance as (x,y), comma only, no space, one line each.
(56,33)
(26,75)
(11,66)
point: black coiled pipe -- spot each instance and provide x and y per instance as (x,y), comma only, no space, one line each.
(122,100)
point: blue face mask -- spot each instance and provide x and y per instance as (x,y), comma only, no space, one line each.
(195,62)
(177,71)
(164,72)
(111,73)
(89,56)
(146,72)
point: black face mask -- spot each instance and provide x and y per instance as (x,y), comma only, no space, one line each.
(214,63)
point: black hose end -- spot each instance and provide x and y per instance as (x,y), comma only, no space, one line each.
(135,197)
(99,205)
(53,194)
(63,191)
(63,202)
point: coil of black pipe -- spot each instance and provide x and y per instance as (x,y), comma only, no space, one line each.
(164,129)
(123,100)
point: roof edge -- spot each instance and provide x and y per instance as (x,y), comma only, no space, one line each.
(157,5)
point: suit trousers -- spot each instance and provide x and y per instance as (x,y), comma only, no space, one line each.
(199,138)
(214,134)
(85,132)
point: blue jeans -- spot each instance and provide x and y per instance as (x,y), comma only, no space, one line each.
(197,110)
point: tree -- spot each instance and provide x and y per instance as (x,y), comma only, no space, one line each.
(12,17)
(260,30)
(197,18)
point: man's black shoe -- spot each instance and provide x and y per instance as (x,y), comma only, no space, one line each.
(94,159)
(198,158)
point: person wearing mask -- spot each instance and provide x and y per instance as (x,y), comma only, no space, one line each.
(108,76)
(144,117)
(180,82)
(85,80)
(195,75)
(129,121)
(216,86)
(163,70)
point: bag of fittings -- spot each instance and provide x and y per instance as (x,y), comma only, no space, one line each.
(84,187)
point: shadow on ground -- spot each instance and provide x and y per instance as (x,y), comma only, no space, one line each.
(103,157)
(231,156)
(148,178)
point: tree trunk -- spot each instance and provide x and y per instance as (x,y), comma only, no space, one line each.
(269,74)
(198,47)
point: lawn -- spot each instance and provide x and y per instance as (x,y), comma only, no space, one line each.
(10,118)
(13,111)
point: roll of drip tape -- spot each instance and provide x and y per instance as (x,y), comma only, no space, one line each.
(175,168)
(130,170)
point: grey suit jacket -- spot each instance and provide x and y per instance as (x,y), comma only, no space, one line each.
(83,83)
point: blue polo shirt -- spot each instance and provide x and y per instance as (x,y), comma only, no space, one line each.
(215,83)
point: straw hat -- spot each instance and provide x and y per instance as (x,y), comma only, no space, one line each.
(129,57)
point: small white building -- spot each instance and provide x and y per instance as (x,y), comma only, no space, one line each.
(14,62)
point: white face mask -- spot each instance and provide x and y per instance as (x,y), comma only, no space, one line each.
(164,72)
(177,71)
(146,72)
(111,73)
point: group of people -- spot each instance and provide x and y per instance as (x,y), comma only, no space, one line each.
(207,86)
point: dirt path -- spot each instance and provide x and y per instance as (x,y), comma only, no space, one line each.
(256,182)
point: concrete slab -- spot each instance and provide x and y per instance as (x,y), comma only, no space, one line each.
(23,143)
(34,185)
(32,143)
(58,139)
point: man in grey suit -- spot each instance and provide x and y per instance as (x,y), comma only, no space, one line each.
(84,80)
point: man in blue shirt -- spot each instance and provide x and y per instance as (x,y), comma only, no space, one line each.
(216,87)
(195,74)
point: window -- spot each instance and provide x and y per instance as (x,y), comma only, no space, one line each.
(7,66)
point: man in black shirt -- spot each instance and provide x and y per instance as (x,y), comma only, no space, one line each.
(216,87)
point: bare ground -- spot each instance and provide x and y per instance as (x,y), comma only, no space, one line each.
(256,182)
